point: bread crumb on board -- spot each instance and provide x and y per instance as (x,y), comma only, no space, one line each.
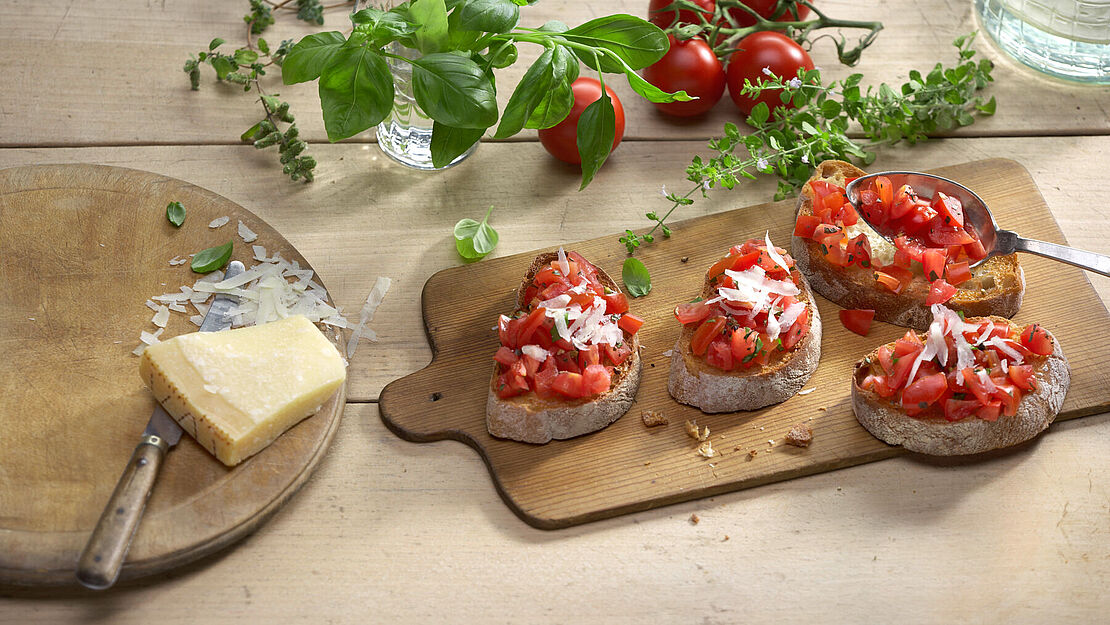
(653,418)
(693,432)
(706,450)
(694,519)
(800,435)
(751,453)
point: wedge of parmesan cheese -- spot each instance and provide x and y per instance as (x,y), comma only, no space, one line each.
(236,391)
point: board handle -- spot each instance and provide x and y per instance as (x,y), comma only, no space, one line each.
(100,562)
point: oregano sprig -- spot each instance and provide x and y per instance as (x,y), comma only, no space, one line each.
(787,143)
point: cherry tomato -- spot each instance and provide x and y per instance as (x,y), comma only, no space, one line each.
(761,50)
(663,19)
(692,67)
(858,321)
(561,140)
(765,8)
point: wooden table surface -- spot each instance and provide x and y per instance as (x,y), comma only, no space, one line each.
(391,531)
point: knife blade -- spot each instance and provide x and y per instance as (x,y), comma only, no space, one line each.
(100,562)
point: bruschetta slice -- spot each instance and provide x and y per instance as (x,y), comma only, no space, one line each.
(964,386)
(753,336)
(569,359)
(849,263)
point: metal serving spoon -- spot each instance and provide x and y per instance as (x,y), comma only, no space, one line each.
(996,241)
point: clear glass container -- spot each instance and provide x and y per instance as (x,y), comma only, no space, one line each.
(1069,39)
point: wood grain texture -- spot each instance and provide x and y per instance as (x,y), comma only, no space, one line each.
(67,64)
(627,467)
(83,247)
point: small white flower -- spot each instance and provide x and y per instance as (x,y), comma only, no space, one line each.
(705,184)
(767,70)
(795,82)
(663,191)
(762,164)
(805,159)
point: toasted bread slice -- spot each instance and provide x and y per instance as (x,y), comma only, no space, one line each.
(932,434)
(531,419)
(692,381)
(995,288)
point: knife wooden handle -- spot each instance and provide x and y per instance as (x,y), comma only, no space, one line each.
(103,556)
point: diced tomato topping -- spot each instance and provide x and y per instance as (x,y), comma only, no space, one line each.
(858,321)
(744,261)
(744,345)
(886,359)
(706,332)
(589,356)
(859,250)
(1022,377)
(1009,395)
(975,250)
(596,379)
(956,409)
(719,267)
(910,247)
(805,225)
(531,366)
(544,377)
(975,384)
(796,331)
(902,259)
(719,354)
(991,411)
(947,235)
(693,312)
(894,285)
(568,384)
(567,361)
(630,323)
(828,234)
(505,388)
(939,292)
(878,384)
(949,209)
(837,255)
(531,322)
(902,368)
(885,189)
(616,303)
(917,397)
(1036,339)
(617,355)
(933,260)
(505,356)
(957,273)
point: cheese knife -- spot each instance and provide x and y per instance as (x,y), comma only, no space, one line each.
(100,562)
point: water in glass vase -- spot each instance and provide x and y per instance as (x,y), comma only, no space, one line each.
(1065,38)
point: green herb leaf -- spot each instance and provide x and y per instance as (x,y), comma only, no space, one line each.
(636,277)
(530,91)
(245,56)
(653,93)
(215,43)
(211,259)
(558,100)
(448,142)
(175,212)
(473,239)
(430,18)
(356,92)
(491,16)
(637,42)
(307,60)
(453,90)
(597,127)
(223,66)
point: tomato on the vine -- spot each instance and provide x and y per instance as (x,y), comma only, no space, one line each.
(765,8)
(692,67)
(663,19)
(561,140)
(765,49)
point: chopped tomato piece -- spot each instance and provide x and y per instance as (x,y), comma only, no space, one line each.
(949,209)
(616,303)
(975,250)
(957,273)
(544,377)
(1036,339)
(630,323)
(531,366)
(796,331)
(719,354)
(744,345)
(923,393)
(947,235)
(505,356)
(933,261)
(693,312)
(586,267)
(1009,395)
(847,214)
(828,234)
(956,409)
(878,384)
(746,260)
(902,259)
(910,247)
(837,255)
(902,369)
(894,285)
(885,188)
(706,332)
(976,385)
(505,388)
(589,356)
(886,358)
(858,320)
(567,361)
(569,385)
(719,267)
(991,411)
(1022,377)
(596,379)
(531,322)
(939,292)
(859,250)
(617,355)
(805,226)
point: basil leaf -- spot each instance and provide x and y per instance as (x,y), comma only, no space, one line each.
(491,16)
(559,100)
(504,57)
(381,27)
(473,239)
(356,92)
(637,42)
(530,91)
(553,26)
(310,56)
(430,17)
(653,93)
(211,259)
(636,277)
(596,130)
(448,142)
(453,90)
(215,43)
(175,213)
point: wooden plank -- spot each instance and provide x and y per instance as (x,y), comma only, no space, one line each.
(628,467)
(84,246)
(386,531)
(366,216)
(109,73)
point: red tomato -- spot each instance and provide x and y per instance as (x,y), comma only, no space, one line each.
(923,393)
(858,321)
(886,359)
(595,380)
(663,19)
(1036,339)
(878,384)
(885,188)
(693,312)
(743,345)
(617,355)
(1022,377)
(889,281)
(859,250)
(939,292)
(692,67)
(589,356)
(505,356)
(805,226)
(760,50)
(630,323)
(544,377)
(933,261)
(796,331)
(950,210)
(957,273)
(615,303)
(706,332)
(765,8)
(720,355)
(569,385)
(561,140)
(902,369)
(956,409)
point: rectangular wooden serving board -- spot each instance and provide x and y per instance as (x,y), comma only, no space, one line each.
(628,467)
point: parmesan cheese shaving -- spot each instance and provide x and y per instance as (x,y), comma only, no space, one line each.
(161,317)
(779,260)
(179,260)
(536,352)
(218,222)
(373,300)
(564,265)
(246,233)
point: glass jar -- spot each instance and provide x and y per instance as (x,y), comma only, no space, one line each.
(1069,39)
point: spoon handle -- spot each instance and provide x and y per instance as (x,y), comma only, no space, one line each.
(1090,261)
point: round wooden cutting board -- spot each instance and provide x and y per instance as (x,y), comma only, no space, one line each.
(82,247)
